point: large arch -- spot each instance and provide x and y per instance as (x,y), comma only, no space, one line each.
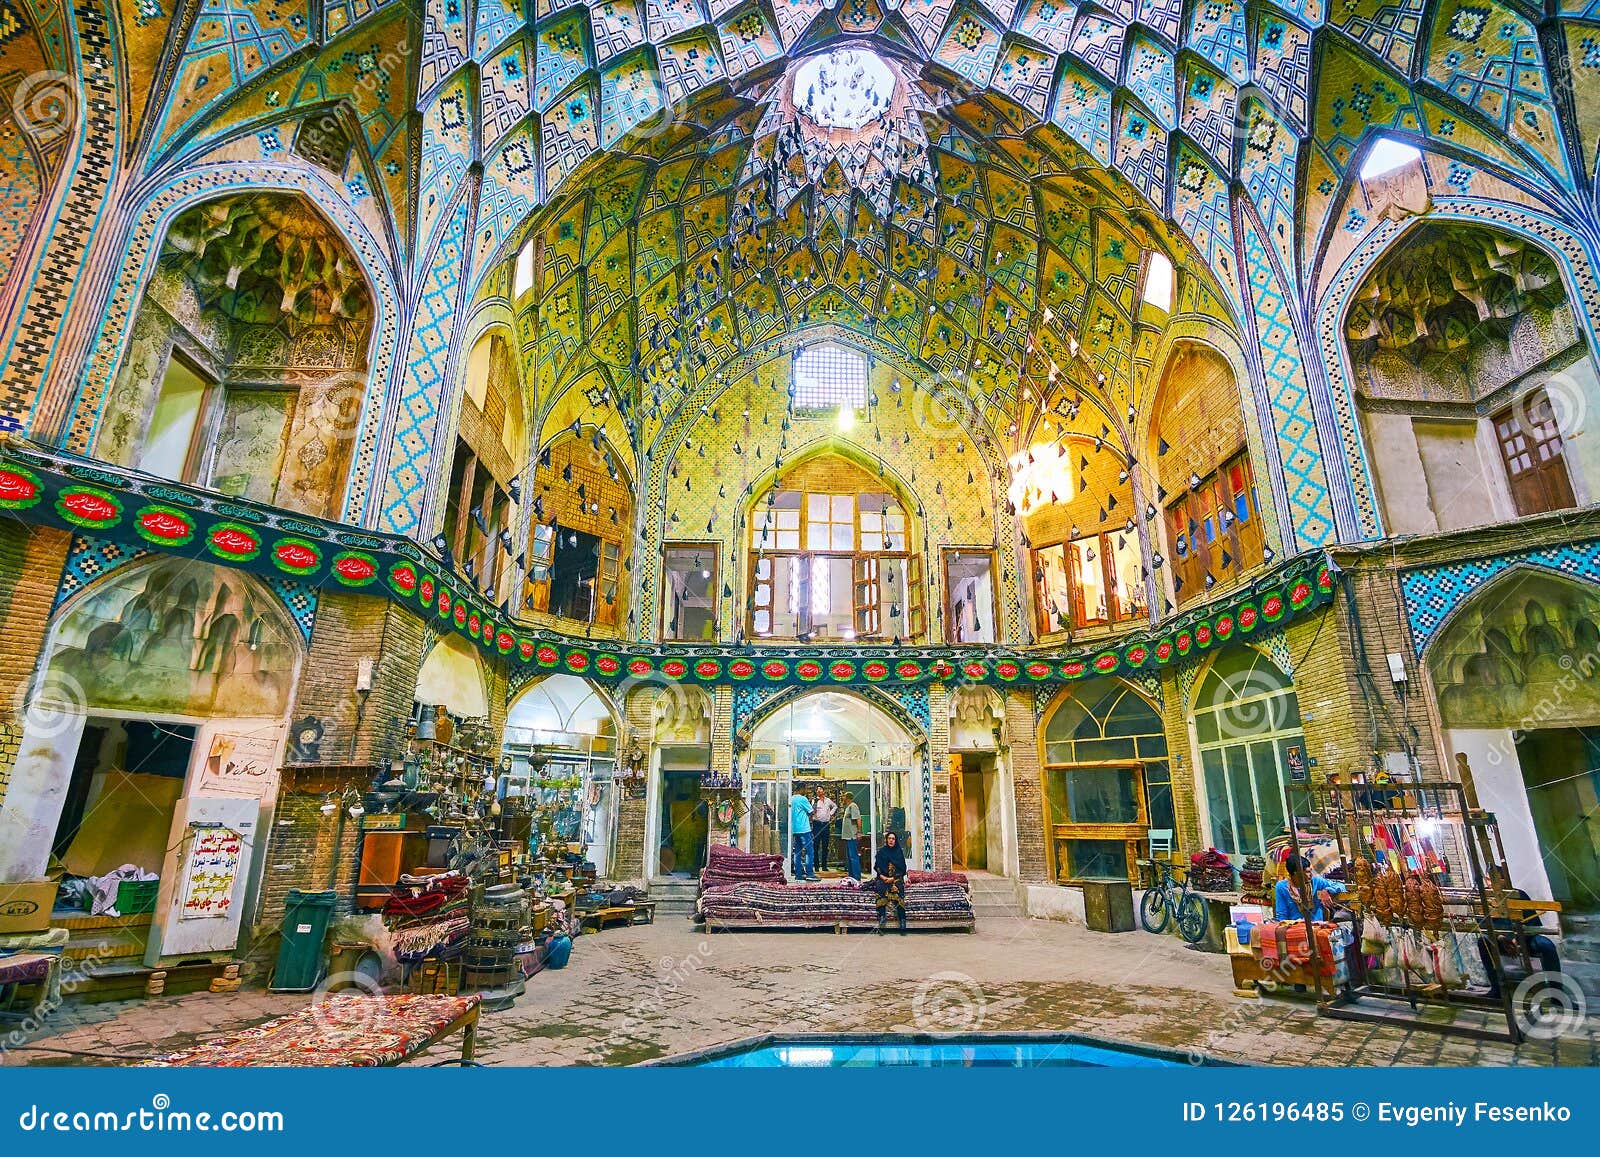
(166,677)
(1513,671)
(876,721)
(146,229)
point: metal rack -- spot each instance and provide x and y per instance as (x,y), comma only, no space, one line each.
(1470,873)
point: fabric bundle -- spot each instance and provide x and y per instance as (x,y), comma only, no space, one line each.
(943,905)
(439,938)
(1211,871)
(727,866)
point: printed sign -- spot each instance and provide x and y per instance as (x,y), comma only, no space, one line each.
(214,857)
(242,764)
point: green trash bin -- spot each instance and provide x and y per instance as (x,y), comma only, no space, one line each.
(305,926)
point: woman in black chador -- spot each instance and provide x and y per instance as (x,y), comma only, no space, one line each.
(889,880)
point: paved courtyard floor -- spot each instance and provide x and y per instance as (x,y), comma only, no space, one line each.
(637,994)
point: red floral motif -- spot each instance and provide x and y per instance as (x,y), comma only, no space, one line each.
(1247,617)
(608,664)
(525,649)
(1202,635)
(298,557)
(1137,655)
(577,661)
(908,670)
(674,668)
(1072,668)
(1272,606)
(1038,670)
(1105,663)
(775,669)
(504,641)
(1224,626)
(547,655)
(974,670)
(638,666)
(461,614)
(472,625)
(89,507)
(842,670)
(1163,650)
(427,591)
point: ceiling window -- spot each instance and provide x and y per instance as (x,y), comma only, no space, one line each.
(522,278)
(1386,156)
(1158,283)
(830,376)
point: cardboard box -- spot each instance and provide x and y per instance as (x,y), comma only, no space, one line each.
(26,907)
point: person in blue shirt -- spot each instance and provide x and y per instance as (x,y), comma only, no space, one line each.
(1298,888)
(800,833)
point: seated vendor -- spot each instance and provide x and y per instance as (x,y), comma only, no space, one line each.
(1540,947)
(1299,888)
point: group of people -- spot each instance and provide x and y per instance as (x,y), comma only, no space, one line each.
(811,831)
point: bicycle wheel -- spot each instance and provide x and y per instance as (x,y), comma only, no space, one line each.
(1154,912)
(1192,918)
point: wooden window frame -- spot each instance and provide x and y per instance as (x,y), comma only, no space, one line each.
(1244,539)
(1545,484)
(994,589)
(1079,620)
(714,550)
(1132,835)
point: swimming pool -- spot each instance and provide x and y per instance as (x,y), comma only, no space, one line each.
(930,1051)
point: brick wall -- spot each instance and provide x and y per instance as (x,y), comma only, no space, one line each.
(1033,865)
(939,763)
(307,849)
(31,559)
(350,627)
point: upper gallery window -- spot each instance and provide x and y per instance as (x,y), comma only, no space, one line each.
(833,566)
(1388,155)
(522,275)
(847,88)
(826,376)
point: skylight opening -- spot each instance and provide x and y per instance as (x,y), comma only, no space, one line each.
(847,88)
(1388,155)
(829,377)
(522,277)
(1158,283)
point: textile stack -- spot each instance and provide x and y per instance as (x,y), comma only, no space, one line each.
(1211,871)
(428,919)
(740,890)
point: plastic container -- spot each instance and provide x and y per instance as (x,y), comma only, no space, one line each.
(305,926)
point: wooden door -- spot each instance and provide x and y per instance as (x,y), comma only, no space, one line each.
(1529,437)
(958,811)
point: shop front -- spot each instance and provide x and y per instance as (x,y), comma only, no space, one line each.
(840,747)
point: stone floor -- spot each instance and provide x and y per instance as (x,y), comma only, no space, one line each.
(636,994)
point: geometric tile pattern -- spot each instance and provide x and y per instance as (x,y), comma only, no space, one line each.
(1433,594)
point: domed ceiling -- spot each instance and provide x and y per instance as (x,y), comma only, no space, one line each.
(948,236)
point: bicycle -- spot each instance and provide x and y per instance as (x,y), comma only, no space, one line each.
(1167,898)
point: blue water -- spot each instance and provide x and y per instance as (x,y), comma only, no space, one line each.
(1021,1054)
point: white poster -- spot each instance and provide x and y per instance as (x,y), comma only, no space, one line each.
(209,876)
(241,763)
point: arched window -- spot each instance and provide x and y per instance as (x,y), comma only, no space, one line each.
(1107,779)
(1207,489)
(583,520)
(1247,722)
(1472,375)
(831,557)
(491,441)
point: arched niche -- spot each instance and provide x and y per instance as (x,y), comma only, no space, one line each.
(580,548)
(452,677)
(839,743)
(833,551)
(1206,490)
(1107,779)
(177,637)
(246,364)
(1515,674)
(1472,378)
(1088,564)
(491,449)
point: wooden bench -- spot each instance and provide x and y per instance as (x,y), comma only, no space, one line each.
(596,919)
(356,1031)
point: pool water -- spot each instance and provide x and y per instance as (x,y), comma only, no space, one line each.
(1052,1053)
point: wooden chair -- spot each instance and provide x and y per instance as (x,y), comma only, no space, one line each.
(1160,843)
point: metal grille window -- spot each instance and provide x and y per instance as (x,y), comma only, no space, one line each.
(828,376)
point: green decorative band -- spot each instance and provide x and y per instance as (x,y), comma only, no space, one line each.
(51,488)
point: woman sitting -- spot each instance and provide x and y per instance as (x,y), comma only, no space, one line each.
(889,882)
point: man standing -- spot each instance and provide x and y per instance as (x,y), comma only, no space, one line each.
(850,833)
(800,832)
(822,813)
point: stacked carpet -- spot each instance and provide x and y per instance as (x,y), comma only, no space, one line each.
(728,866)
(743,891)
